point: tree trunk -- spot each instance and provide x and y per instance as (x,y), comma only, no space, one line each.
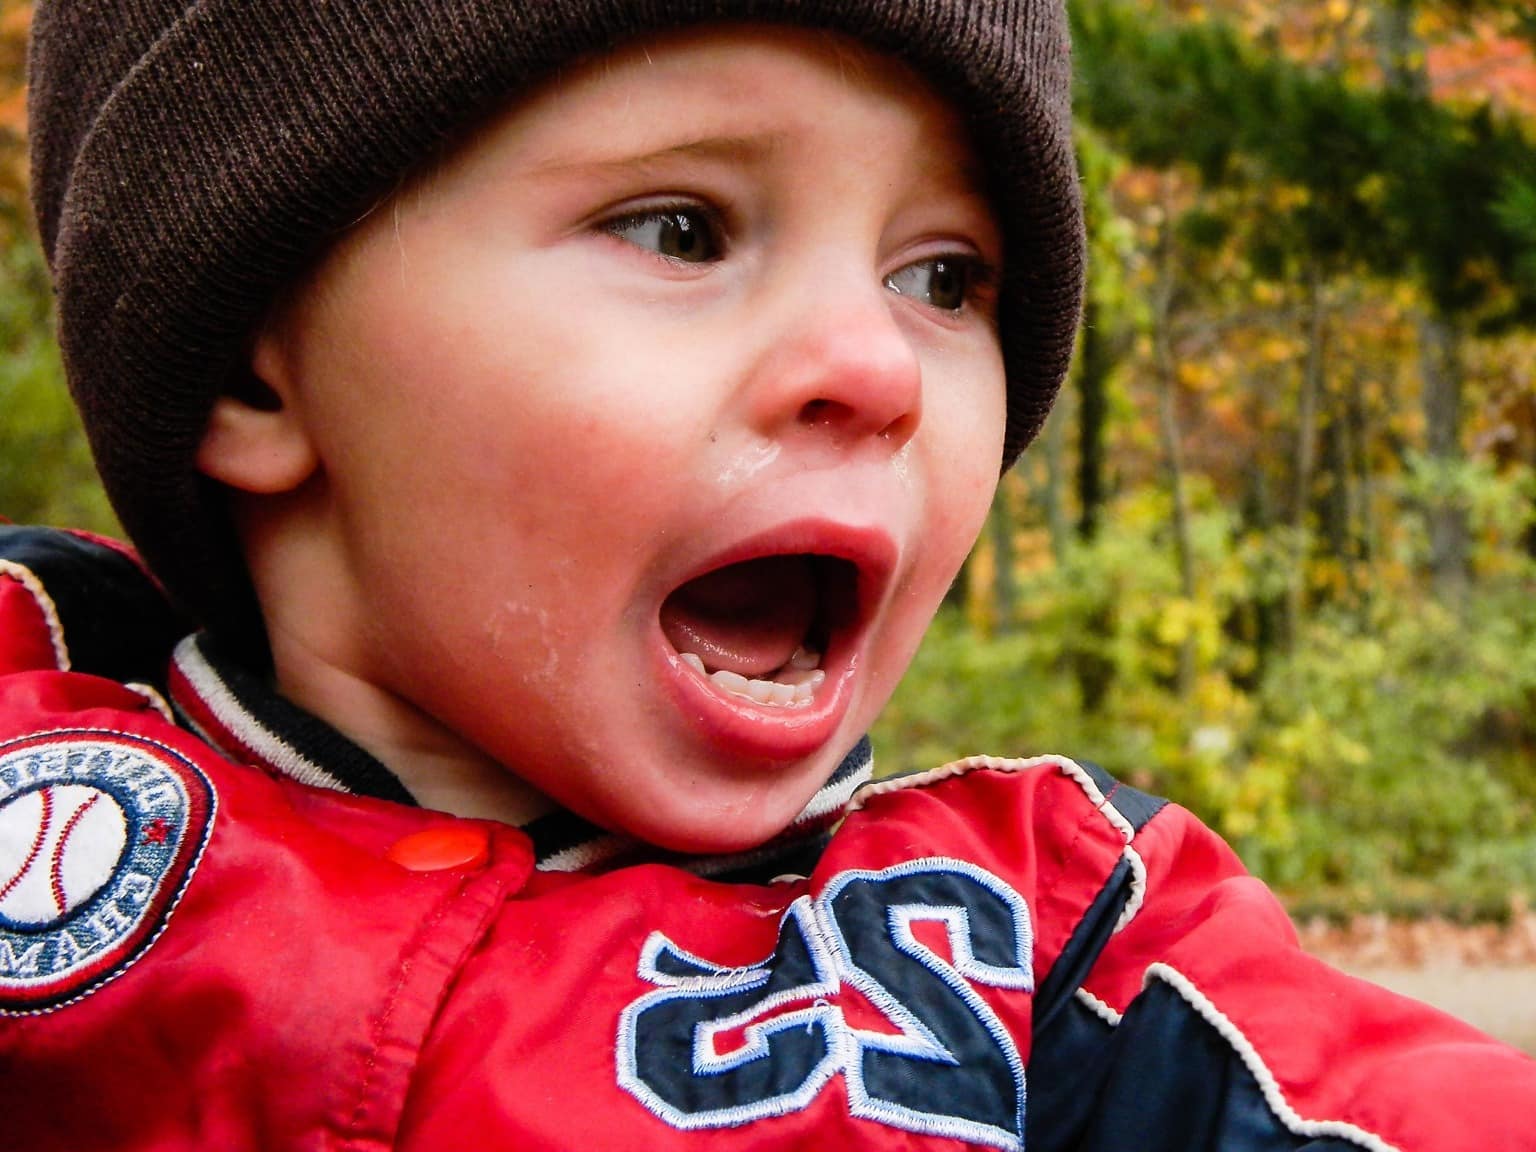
(1095,360)
(1369,544)
(1306,454)
(1098,352)
(1404,66)
(1356,551)
(1168,427)
(1338,536)
(1261,621)
(1054,436)
(1004,584)
(1450,536)
(1398,48)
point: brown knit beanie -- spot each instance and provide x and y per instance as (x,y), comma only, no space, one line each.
(190,158)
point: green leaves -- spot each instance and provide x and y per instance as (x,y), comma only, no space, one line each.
(1392,180)
(46,474)
(1389,753)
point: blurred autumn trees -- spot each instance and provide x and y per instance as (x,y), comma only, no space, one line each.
(1275,552)
(45,469)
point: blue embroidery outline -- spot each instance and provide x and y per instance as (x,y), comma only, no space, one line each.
(814,924)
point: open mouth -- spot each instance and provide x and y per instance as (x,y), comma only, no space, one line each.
(759,629)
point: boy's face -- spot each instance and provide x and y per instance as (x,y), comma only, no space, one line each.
(680,375)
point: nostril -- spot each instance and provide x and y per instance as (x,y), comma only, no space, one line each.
(843,420)
(818,411)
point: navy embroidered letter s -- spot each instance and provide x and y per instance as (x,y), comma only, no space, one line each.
(715,1047)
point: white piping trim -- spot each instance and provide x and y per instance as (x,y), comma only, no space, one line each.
(1066,766)
(1138,895)
(242,725)
(156,701)
(1268,1085)
(28,580)
(945,772)
(584,855)
(1099,1008)
(1072,769)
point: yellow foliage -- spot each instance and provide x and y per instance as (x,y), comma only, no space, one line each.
(1313,740)
(1279,350)
(1289,197)
(1182,620)
(1198,376)
(1217,698)
(980,577)
(1268,293)
(1032,551)
(1373,189)
(1329,577)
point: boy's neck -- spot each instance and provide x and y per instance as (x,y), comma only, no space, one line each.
(440,770)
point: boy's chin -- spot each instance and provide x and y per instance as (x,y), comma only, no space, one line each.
(727,834)
(716,820)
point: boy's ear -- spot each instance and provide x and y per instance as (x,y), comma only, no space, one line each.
(255,440)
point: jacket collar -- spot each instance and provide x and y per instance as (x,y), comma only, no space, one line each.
(244,718)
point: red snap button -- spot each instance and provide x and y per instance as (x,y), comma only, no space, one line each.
(438,849)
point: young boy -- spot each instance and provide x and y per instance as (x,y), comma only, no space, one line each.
(561,421)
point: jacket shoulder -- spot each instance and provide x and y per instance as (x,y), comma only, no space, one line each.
(75,602)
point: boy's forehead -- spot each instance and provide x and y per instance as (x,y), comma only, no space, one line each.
(718,94)
(722,55)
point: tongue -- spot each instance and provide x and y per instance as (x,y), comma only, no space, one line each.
(748,618)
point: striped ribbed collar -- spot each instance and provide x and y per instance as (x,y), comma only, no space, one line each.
(245,719)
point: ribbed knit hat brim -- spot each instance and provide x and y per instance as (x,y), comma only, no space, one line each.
(188,160)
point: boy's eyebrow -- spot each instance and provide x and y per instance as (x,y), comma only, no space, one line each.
(748,149)
(719,148)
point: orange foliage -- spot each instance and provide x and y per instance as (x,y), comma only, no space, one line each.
(1485,66)
(15,20)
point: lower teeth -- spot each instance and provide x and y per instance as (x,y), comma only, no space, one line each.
(793,685)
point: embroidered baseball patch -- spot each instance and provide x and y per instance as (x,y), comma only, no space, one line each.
(99,834)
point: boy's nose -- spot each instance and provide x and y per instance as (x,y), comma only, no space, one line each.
(841,368)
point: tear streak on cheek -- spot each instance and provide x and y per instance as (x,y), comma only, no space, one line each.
(747,464)
(507,625)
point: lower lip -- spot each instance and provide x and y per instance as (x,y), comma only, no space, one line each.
(740,728)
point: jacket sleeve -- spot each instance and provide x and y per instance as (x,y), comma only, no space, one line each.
(1191,1019)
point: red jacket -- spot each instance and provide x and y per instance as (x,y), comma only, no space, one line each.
(198,951)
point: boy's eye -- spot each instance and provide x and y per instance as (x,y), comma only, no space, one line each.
(687,235)
(943,282)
